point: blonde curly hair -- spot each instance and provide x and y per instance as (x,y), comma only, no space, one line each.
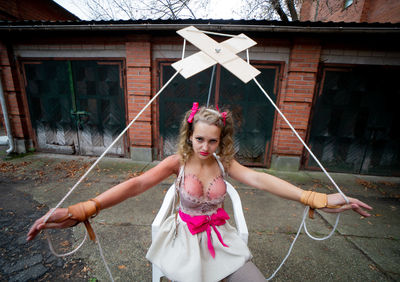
(211,116)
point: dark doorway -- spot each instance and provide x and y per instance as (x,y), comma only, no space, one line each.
(355,124)
(76,107)
(253,114)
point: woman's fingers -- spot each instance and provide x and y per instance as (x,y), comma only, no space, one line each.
(53,222)
(360,203)
(354,204)
(32,233)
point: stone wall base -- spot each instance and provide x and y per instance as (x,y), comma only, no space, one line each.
(285,163)
(141,154)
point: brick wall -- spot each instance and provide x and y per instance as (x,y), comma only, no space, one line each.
(384,11)
(296,96)
(138,64)
(331,10)
(360,11)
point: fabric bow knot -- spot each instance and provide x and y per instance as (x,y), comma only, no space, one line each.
(200,223)
(195,108)
(223,115)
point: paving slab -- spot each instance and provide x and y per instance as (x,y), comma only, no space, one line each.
(336,259)
(124,248)
(384,222)
(384,252)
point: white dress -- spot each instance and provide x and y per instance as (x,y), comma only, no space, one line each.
(182,256)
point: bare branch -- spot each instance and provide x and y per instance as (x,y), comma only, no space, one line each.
(133,9)
(292,10)
(278,8)
(184,4)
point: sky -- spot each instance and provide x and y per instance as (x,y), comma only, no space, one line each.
(219,9)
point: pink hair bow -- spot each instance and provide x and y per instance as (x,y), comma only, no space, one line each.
(223,115)
(195,108)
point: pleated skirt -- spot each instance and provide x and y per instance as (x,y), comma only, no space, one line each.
(185,257)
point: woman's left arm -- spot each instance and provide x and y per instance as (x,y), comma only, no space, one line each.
(286,190)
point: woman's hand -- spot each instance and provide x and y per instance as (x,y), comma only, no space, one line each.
(354,204)
(52,222)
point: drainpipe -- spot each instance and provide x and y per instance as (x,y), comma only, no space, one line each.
(6,119)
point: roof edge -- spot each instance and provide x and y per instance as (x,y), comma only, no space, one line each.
(217,26)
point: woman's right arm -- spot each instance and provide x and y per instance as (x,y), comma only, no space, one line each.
(139,184)
(113,196)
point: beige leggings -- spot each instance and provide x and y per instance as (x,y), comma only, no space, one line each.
(248,272)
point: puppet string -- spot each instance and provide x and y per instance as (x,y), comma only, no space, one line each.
(211,84)
(303,221)
(109,147)
(91,168)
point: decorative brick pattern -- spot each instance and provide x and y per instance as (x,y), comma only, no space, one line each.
(296,97)
(359,11)
(138,62)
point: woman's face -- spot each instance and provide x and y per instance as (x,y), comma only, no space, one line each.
(205,139)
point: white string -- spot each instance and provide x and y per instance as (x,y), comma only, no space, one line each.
(66,254)
(102,256)
(321,238)
(303,222)
(211,84)
(130,124)
(301,140)
(183,48)
(109,147)
(90,169)
(291,245)
(80,245)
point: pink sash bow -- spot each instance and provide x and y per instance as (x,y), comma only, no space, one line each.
(200,223)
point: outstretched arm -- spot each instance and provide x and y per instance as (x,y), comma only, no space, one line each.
(113,196)
(138,185)
(286,190)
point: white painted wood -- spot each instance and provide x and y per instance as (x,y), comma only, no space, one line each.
(244,71)
(206,44)
(213,52)
(194,64)
(239,43)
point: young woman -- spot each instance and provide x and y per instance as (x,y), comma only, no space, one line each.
(197,244)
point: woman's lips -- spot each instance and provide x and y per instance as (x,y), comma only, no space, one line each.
(204,153)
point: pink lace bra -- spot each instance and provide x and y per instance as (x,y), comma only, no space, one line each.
(194,200)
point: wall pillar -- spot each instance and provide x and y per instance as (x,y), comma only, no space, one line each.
(295,103)
(138,64)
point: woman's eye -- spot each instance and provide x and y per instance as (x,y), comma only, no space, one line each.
(199,139)
(213,141)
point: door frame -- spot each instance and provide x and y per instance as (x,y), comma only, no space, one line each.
(319,85)
(157,80)
(21,61)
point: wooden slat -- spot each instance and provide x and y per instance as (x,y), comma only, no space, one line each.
(223,53)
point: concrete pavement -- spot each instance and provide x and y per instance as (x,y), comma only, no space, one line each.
(362,249)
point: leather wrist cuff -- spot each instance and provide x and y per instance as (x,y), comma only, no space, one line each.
(82,211)
(316,201)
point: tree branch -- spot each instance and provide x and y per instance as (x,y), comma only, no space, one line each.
(292,10)
(278,8)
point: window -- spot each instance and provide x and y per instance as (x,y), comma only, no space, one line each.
(347,3)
